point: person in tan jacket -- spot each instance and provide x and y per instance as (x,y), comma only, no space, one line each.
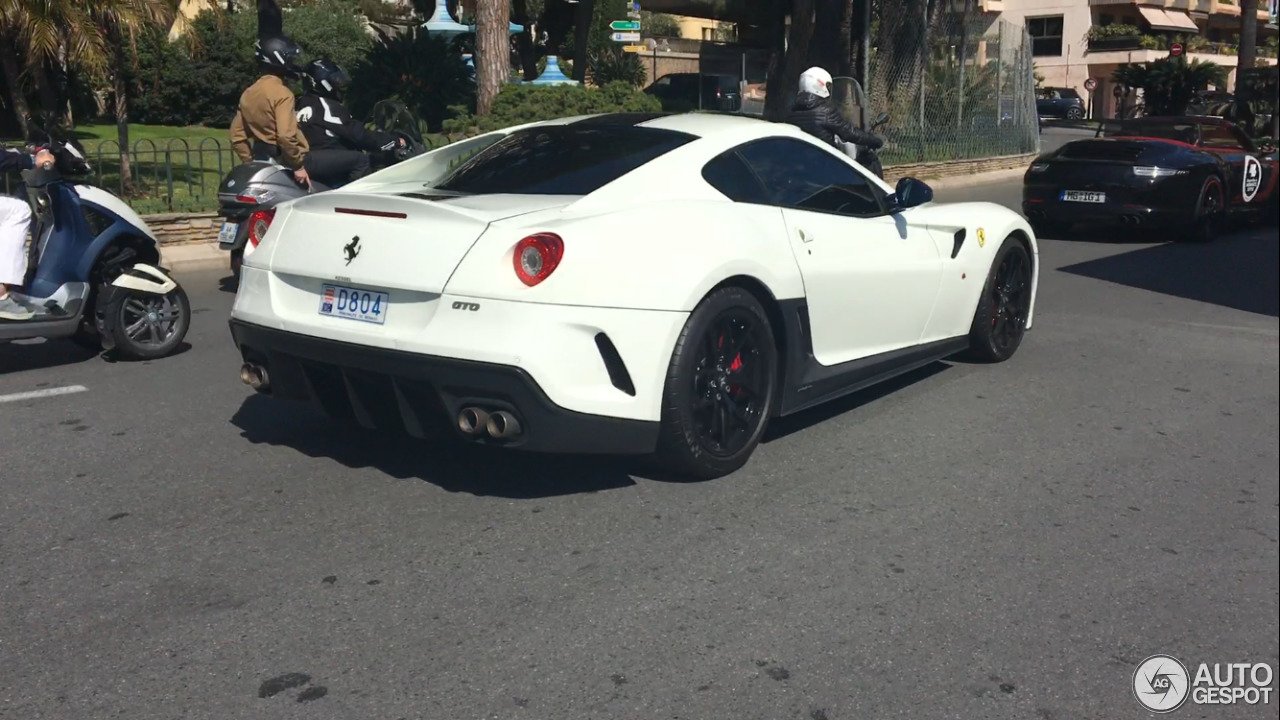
(265,126)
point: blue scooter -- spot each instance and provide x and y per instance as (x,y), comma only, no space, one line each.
(93,274)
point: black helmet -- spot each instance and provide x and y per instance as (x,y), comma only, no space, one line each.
(324,77)
(278,53)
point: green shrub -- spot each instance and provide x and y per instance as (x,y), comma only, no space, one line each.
(519,104)
(610,65)
(425,73)
(174,86)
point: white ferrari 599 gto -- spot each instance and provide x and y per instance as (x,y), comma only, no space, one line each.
(623,284)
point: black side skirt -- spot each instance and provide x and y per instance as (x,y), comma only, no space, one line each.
(809,383)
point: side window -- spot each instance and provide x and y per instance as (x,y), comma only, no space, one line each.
(730,175)
(1219,137)
(800,176)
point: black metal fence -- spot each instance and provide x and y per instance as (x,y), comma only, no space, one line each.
(179,174)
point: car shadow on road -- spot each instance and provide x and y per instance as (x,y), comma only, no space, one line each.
(1237,272)
(782,427)
(453,466)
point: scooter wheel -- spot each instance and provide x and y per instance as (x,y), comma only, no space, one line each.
(146,326)
(237,259)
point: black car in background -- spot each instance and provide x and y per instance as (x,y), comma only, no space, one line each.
(1182,176)
(685,92)
(1059,103)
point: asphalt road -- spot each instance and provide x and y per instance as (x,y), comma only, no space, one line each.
(970,542)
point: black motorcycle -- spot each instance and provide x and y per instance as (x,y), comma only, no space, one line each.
(249,193)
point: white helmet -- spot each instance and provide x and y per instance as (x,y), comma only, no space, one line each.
(817,81)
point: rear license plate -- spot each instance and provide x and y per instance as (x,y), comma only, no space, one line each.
(1082,196)
(364,305)
(227,234)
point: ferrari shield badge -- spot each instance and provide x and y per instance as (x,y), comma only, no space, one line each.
(1252,177)
(982,237)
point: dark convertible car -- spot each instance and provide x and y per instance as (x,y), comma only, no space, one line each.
(1185,175)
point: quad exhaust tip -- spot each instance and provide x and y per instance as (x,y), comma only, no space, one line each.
(502,425)
(255,376)
(472,420)
(499,425)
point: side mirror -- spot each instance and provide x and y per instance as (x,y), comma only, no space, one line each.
(910,193)
(881,119)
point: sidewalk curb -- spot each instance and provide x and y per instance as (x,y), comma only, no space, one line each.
(201,257)
(987,178)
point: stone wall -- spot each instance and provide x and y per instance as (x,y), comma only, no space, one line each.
(184,229)
(928,171)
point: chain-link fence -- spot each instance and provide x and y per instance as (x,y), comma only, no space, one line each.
(957,86)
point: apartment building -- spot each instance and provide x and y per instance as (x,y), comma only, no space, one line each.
(1074,40)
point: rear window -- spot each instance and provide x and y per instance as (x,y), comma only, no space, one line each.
(561,159)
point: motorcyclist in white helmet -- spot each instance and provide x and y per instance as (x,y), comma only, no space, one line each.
(815,112)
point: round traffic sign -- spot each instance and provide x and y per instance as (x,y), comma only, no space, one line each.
(1090,84)
(1175,49)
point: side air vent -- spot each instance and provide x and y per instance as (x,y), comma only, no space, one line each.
(806,337)
(613,364)
(955,250)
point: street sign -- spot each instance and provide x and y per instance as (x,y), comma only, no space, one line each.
(624,25)
(1175,49)
(635,48)
(1090,84)
(633,14)
(630,37)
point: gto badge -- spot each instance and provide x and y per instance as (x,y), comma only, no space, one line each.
(1252,177)
(466,306)
(352,249)
(982,237)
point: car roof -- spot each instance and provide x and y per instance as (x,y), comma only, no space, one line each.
(699,124)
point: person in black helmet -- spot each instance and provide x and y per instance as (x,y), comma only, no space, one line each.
(265,126)
(338,141)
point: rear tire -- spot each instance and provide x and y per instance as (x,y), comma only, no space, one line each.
(721,387)
(237,260)
(1075,114)
(1000,322)
(1209,214)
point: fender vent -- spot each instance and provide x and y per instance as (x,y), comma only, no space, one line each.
(613,364)
(959,241)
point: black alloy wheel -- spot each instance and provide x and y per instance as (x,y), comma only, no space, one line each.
(1000,322)
(720,388)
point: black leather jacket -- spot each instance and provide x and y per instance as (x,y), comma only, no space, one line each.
(819,117)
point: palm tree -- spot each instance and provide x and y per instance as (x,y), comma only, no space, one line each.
(1169,85)
(97,38)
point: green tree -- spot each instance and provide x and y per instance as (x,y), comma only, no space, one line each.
(1170,84)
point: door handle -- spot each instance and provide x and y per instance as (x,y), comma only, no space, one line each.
(805,237)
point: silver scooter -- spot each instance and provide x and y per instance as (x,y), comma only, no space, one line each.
(249,193)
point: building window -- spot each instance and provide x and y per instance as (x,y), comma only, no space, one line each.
(1106,19)
(1046,36)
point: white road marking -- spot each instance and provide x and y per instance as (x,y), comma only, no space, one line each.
(47,392)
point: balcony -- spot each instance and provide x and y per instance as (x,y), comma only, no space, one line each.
(1112,38)
(1228,8)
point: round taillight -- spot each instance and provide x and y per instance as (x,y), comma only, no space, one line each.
(537,256)
(259,223)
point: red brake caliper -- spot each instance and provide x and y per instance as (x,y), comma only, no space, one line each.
(733,367)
